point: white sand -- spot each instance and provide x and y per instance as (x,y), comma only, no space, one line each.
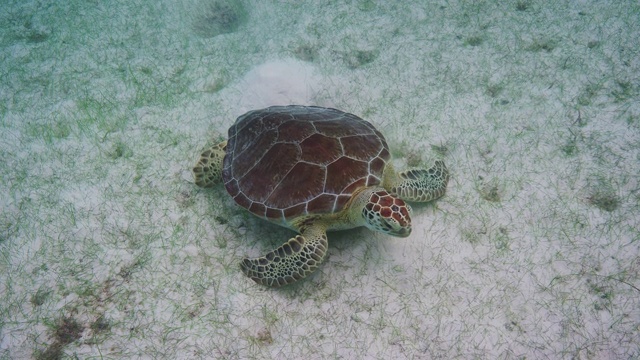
(108,250)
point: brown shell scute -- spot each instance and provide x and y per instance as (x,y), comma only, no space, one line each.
(320,149)
(286,161)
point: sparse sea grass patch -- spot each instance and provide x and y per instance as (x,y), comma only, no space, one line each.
(64,331)
(216,17)
(523,5)
(358,58)
(40,296)
(474,40)
(305,52)
(493,90)
(605,200)
(539,45)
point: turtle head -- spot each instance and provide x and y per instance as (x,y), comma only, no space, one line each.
(386,213)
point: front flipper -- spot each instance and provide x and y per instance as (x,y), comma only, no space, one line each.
(422,185)
(294,260)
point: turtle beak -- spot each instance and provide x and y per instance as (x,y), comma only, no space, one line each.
(397,229)
(404,232)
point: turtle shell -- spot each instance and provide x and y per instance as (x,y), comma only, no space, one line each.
(288,161)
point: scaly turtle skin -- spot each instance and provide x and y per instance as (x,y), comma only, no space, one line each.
(313,170)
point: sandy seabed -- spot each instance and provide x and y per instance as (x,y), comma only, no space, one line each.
(108,250)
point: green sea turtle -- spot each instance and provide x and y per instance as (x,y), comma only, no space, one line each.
(313,169)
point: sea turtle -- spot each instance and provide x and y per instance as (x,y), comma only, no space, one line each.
(313,169)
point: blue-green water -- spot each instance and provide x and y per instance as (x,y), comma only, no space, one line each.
(108,249)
